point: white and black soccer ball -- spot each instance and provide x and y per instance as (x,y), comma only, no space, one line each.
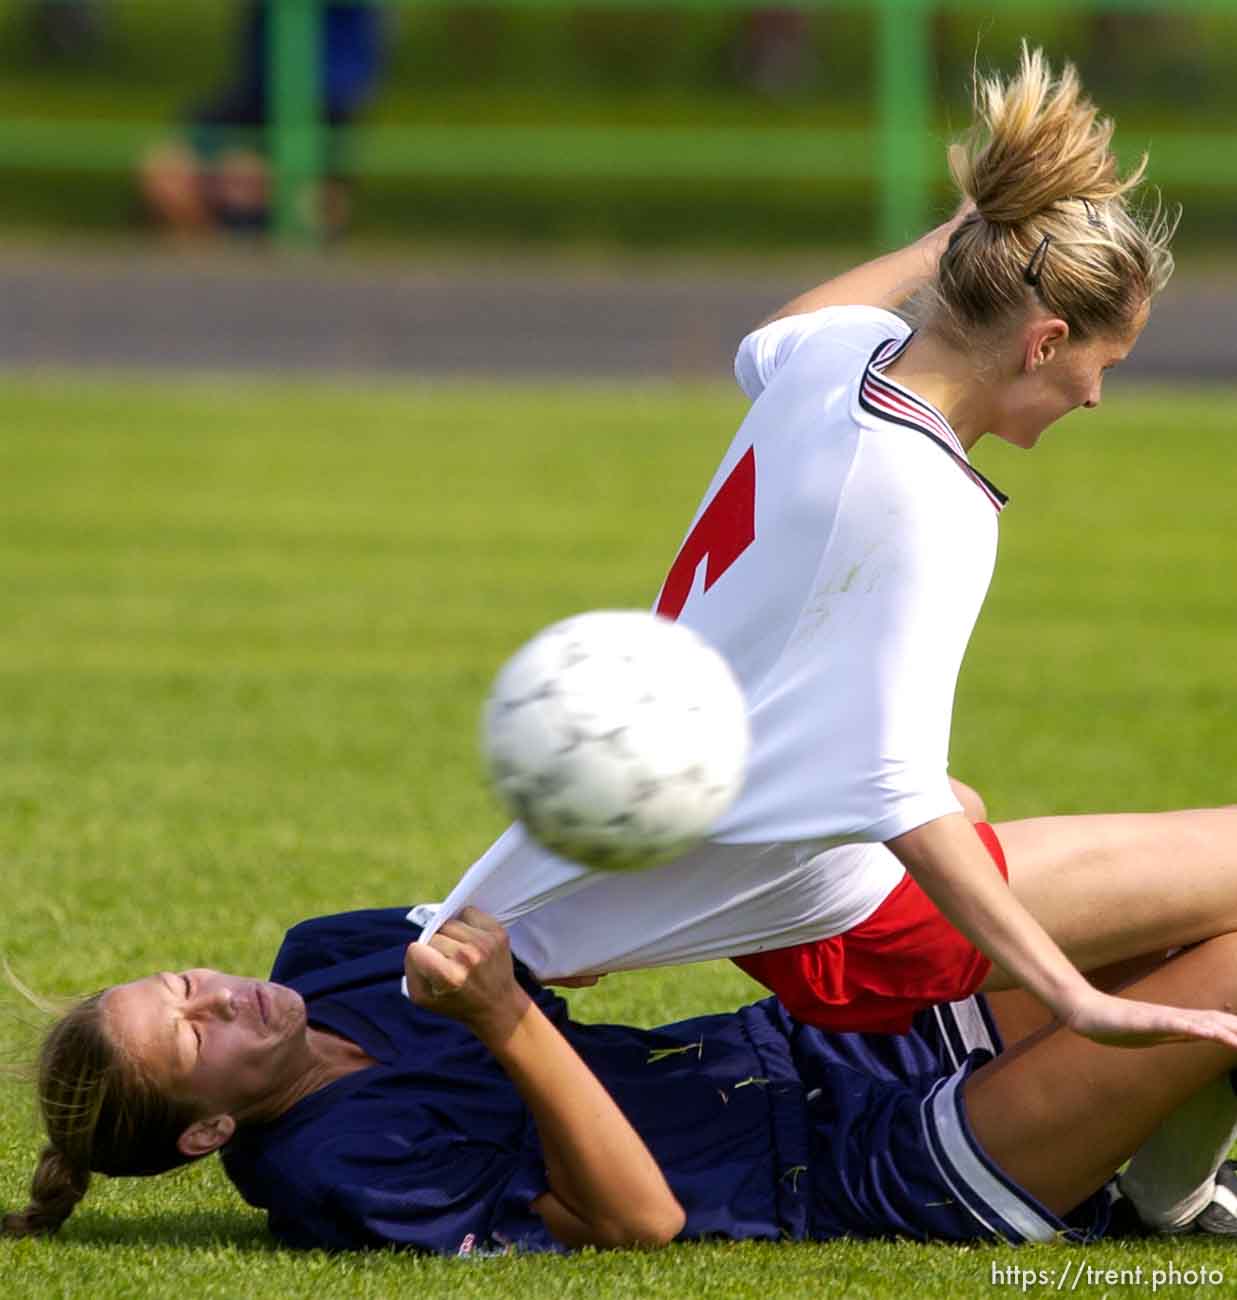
(617,737)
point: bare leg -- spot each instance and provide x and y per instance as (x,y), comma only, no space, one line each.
(171,184)
(241,185)
(1059,1113)
(1112,887)
(1019,1014)
(971,800)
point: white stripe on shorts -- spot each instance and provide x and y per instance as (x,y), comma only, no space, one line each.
(941,1111)
(962,1025)
(971,1025)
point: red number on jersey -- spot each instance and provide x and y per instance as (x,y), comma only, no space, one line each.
(722,533)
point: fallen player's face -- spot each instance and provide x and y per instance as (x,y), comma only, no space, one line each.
(224,1042)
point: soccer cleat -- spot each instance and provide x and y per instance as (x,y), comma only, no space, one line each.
(1219,1219)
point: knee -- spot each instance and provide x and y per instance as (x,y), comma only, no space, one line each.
(972,804)
(1224,946)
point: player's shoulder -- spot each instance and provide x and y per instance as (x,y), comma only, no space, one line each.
(325,941)
(855,323)
(921,468)
(848,335)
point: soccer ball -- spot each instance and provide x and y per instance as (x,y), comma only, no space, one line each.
(617,737)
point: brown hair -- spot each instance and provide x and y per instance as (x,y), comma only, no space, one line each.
(1051,220)
(101,1116)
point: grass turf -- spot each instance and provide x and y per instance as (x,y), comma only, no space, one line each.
(248,628)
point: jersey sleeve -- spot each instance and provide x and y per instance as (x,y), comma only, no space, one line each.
(765,350)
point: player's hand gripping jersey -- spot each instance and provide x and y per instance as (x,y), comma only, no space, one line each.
(839,561)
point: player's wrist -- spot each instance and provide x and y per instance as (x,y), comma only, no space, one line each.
(1071,997)
(935,241)
(501,1019)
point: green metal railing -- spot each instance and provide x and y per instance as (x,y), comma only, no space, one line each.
(897,153)
(902,53)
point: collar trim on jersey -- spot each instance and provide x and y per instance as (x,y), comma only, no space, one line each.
(888,400)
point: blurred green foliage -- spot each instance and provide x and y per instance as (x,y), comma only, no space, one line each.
(142,54)
(147,62)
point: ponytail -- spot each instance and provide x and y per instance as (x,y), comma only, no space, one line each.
(55,1190)
(1051,222)
(101,1116)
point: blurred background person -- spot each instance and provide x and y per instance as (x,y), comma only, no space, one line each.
(216,177)
(774,53)
(67,29)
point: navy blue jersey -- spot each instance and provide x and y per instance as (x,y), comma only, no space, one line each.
(765,1129)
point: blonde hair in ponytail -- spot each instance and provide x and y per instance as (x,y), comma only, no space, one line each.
(1051,223)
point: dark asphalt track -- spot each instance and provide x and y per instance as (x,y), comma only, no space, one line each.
(228,312)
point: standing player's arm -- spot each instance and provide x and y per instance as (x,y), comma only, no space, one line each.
(950,863)
(605,1187)
(886,281)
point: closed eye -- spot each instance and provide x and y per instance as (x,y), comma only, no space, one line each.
(197,1033)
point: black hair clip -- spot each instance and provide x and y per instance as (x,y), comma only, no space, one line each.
(1035,264)
(1093,216)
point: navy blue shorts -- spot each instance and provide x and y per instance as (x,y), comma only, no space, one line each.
(893,1152)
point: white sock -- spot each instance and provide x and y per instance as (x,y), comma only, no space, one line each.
(1171,1178)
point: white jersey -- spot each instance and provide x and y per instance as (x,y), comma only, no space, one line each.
(839,561)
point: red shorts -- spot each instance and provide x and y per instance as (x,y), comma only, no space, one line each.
(873,979)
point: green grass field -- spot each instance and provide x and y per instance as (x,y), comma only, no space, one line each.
(247,630)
